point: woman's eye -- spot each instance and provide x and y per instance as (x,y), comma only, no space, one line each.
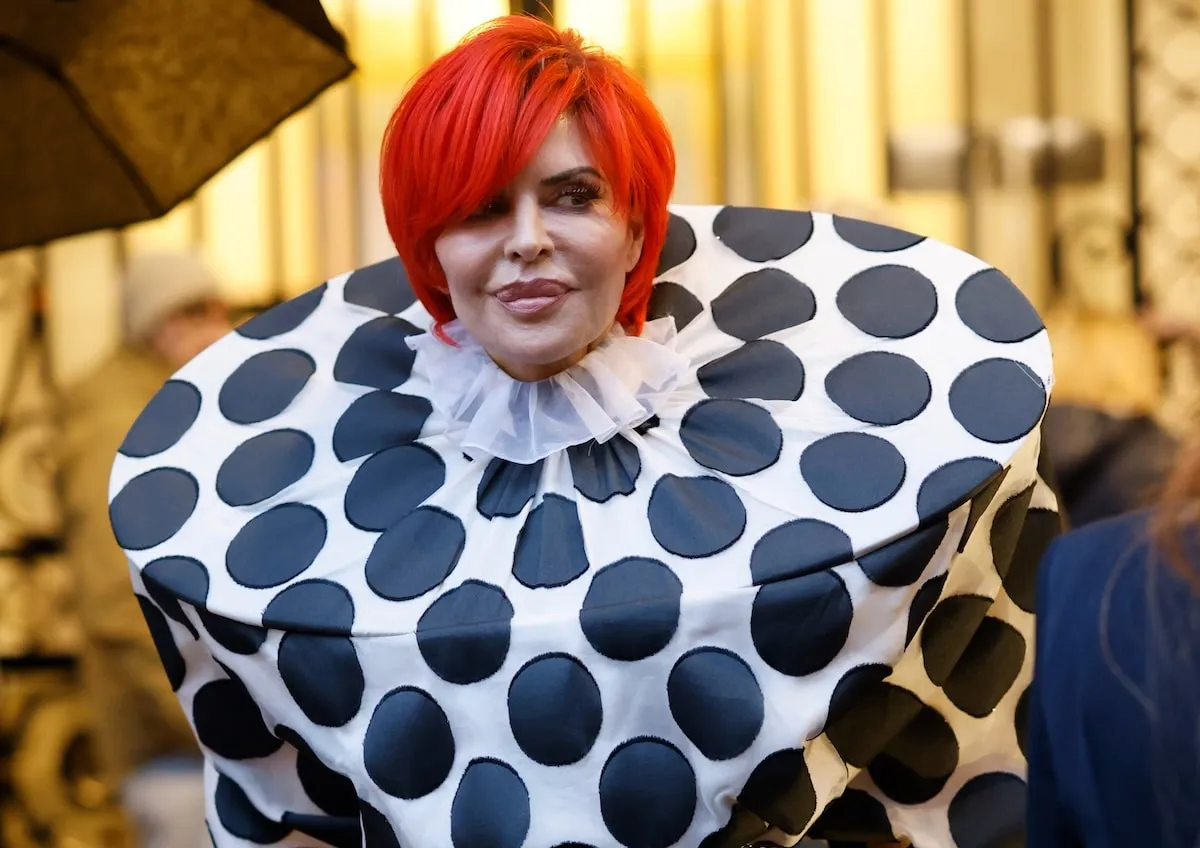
(578,197)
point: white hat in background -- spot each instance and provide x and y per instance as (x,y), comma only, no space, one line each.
(160,283)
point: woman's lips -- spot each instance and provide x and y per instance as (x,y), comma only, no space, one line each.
(529,297)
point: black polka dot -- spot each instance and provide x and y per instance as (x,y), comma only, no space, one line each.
(265,385)
(989,812)
(319,606)
(780,790)
(981,499)
(734,437)
(171,413)
(235,636)
(799,547)
(550,549)
(679,245)
(853,814)
(631,610)
(800,625)
(383,286)
(647,794)
(464,635)
(998,400)
(870,712)
(377,421)
(555,710)
(758,370)
(152,508)
(879,387)
(987,668)
(340,832)
(506,488)
(1006,527)
(229,723)
(240,818)
(490,808)
(1021,721)
(1020,581)
(276,546)
(922,604)
(647,425)
(164,643)
(333,792)
(376,355)
(263,466)
(391,484)
(323,676)
(852,472)
(953,484)
(763,302)
(857,684)
(716,701)
(762,235)
(408,749)
(993,307)
(283,318)
(170,579)
(695,516)
(672,299)
(916,764)
(182,577)
(876,238)
(603,471)
(888,301)
(902,562)
(377,830)
(415,554)
(948,630)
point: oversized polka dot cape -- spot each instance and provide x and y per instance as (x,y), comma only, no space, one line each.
(797,601)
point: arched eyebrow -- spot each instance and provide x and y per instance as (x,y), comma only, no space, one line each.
(571,173)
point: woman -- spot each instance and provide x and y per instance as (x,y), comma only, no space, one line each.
(1114,720)
(704,527)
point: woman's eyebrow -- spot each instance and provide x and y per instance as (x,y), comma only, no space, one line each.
(569,173)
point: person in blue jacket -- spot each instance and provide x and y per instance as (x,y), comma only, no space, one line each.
(1114,715)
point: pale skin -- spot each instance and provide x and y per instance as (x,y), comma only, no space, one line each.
(181,336)
(554,233)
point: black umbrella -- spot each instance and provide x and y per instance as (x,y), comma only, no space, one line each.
(114,111)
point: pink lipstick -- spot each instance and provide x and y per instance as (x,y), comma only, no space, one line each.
(530,297)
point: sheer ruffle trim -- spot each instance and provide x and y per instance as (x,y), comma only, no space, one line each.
(616,387)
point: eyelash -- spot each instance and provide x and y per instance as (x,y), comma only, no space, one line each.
(581,188)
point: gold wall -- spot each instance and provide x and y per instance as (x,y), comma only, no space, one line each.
(777,102)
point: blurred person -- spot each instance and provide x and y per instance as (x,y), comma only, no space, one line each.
(1114,715)
(171,310)
(1109,452)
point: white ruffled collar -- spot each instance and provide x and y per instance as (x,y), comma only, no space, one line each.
(616,387)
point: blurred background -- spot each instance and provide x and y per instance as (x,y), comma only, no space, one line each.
(1057,139)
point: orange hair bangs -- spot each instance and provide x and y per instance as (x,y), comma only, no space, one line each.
(475,117)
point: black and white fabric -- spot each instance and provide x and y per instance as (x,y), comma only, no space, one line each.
(786,588)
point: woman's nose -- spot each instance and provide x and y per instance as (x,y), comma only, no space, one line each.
(529,240)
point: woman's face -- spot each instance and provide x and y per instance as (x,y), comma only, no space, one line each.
(536,274)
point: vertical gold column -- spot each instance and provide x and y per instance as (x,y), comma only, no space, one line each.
(680,75)
(925,78)
(83,306)
(846,131)
(388,49)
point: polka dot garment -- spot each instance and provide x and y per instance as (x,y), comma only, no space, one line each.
(796,600)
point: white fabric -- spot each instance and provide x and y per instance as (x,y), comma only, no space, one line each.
(613,644)
(617,386)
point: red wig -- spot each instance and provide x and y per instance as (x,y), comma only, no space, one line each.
(474,118)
